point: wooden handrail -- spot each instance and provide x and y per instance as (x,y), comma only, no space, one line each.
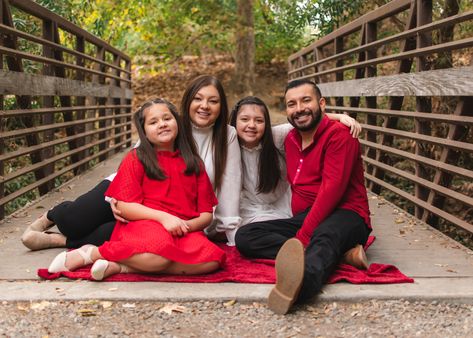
(70,107)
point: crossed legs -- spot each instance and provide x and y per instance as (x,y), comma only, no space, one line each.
(138,263)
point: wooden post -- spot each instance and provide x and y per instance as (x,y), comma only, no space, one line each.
(318,56)
(338,48)
(101,101)
(395,102)
(360,72)
(80,101)
(371,101)
(128,102)
(423,104)
(117,101)
(48,102)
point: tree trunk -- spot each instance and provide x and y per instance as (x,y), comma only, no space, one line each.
(245,53)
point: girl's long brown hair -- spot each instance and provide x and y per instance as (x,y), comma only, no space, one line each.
(184,142)
(219,138)
(269,170)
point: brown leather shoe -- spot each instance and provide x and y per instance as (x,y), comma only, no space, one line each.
(289,276)
(356,257)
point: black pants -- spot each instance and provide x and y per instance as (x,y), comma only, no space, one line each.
(338,233)
(87,220)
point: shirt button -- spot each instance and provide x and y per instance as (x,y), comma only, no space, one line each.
(298,170)
(300,160)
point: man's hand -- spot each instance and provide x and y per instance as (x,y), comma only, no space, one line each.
(116,213)
(175,226)
(355,127)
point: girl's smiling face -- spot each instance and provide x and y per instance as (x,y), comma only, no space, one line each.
(205,107)
(250,124)
(160,127)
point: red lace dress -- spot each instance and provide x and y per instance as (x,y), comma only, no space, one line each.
(179,194)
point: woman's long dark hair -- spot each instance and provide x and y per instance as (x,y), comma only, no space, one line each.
(219,138)
(184,142)
(269,170)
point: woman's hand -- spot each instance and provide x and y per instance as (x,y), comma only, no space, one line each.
(355,127)
(174,225)
(117,213)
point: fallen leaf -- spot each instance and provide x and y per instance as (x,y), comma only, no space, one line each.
(170,308)
(23,308)
(106,304)
(399,220)
(87,312)
(41,305)
(230,302)
(450,270)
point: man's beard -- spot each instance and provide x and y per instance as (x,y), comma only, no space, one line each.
(316,117)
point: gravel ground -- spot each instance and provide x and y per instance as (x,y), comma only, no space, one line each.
(230,319)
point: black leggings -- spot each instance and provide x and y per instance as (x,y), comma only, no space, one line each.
(87,220)
(338,233)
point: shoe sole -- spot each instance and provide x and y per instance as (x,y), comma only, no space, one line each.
(289,276)
(356,257)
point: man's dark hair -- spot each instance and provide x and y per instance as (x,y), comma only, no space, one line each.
(301,82)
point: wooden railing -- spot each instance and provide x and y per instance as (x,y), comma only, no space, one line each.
(65,103)
(415,74)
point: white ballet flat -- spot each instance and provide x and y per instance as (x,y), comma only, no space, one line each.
(59,262)
(98,269)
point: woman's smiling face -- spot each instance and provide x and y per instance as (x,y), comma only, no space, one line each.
(205,107)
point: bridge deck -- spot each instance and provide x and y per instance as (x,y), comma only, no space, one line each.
(442,268)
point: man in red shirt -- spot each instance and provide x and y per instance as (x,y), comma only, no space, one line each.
(329,202)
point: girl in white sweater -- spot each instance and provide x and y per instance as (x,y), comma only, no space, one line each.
(265,191)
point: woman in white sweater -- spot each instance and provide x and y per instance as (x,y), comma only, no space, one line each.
(90,220)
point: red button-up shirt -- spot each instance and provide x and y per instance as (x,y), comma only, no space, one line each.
(326,175)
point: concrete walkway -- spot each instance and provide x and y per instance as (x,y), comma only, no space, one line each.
(442,268)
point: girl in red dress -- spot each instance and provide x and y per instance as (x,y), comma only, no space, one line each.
(166,194)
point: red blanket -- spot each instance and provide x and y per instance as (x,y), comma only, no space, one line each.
(238,269)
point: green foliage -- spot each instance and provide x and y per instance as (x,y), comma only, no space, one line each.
(169,28)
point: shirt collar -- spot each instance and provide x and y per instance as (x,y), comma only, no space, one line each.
(258,147)
(203,129)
